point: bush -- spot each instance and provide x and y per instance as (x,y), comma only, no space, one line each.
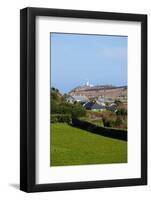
(77,111)
(65,118)
(118,102)
(60,106)
(118,121)
(122,111)
(108,122)
(109,119)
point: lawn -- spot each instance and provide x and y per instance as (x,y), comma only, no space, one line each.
(73,146)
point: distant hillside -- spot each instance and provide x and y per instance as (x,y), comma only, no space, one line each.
(108,91)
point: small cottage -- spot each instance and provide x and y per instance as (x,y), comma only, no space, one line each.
(94,106)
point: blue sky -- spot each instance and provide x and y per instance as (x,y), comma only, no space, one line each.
(77,58)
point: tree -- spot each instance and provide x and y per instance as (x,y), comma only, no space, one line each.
(60,106)
(117,102)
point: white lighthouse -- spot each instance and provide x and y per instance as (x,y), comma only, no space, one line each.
(88,84)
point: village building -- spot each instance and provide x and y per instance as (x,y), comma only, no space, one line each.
(112,107)
(79,99)
(94,106)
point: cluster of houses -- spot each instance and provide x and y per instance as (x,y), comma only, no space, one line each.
(93,104)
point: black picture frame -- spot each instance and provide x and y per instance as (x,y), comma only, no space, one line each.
(28,98)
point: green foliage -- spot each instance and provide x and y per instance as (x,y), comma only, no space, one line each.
(108,122)
(122,111)
(60,106)
(118,121)
(73,146)
(65,118)
(117,102)
(106,118)
(54,96)
(107,104)
(109,119)
(54,90)
(77,110)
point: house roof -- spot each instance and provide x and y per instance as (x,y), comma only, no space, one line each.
(93,105)
(69,98)
(97,106)
(112,107)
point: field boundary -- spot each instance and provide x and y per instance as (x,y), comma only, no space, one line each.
(108,132)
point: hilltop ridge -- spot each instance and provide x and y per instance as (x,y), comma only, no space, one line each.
(108,91)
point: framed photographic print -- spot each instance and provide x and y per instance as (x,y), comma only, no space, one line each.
(83,99)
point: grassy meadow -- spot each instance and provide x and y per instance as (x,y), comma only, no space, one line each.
(73,146)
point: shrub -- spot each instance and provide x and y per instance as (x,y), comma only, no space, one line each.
(122,111)
(108,122)
(65,118)
(118,121)
(77,111)
(118,102)
(109,119)
(60,106)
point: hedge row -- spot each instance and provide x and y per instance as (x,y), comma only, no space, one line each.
(66,118)
(108,132)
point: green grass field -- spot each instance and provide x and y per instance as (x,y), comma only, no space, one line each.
(73,146)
